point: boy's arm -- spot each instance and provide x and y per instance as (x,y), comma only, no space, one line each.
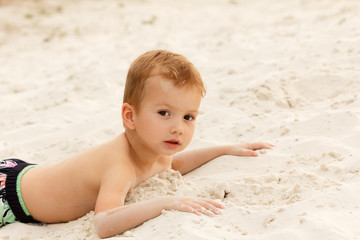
(187,161)
(112,217)
(118,220)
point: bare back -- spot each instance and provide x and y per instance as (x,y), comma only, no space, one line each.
(96,179)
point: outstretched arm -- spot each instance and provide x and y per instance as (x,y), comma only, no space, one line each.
(187,161)
(116,221)
(112,217)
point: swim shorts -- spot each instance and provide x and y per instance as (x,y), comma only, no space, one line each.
(12,206)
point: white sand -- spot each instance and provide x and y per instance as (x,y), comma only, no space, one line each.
(286,72)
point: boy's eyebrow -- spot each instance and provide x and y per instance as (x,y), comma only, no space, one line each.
(195,111)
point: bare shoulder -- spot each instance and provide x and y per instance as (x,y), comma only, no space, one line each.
(105,156)
(113,161)
(116,174)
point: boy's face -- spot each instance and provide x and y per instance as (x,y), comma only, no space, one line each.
(165,120)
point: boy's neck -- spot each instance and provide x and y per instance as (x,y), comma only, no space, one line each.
(142,157)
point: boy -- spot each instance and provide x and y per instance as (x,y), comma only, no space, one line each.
(161,101)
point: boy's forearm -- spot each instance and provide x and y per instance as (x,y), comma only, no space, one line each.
(187,161)
(118,220)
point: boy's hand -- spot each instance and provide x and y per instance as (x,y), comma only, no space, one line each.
(197,206)
(247,149)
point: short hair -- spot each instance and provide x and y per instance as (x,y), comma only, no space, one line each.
(170,65)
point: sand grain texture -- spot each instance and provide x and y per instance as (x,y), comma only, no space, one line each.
(286,72)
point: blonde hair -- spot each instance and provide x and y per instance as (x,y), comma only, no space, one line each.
(172,66)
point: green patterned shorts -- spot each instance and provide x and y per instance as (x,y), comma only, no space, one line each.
(12,206)
(6,215)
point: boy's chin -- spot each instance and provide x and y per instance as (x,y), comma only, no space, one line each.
(172,151)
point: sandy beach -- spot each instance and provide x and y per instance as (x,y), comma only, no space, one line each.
(284,71)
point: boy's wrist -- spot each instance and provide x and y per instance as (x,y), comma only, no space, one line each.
(226,150)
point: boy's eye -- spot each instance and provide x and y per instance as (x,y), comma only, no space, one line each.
(164,113)
(189,118)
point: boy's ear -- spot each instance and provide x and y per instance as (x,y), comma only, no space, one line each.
(128,115)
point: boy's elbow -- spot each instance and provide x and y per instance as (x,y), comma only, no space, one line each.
(104,228)
(177,165)
(100,225)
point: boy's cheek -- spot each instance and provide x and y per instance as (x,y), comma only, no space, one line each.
(184,145)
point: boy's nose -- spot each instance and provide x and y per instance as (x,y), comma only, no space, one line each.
(177,128)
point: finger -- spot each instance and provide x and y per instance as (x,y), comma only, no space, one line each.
(248,152)
(198,209)
(243,152)
(214,203)
(206,208)
(210,207)
(190,209)
(268,145)
(206,212)
(260,145)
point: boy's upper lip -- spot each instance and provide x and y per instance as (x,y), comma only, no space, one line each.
(174,141)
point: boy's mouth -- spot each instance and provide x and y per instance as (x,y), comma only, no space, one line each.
(173,143)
